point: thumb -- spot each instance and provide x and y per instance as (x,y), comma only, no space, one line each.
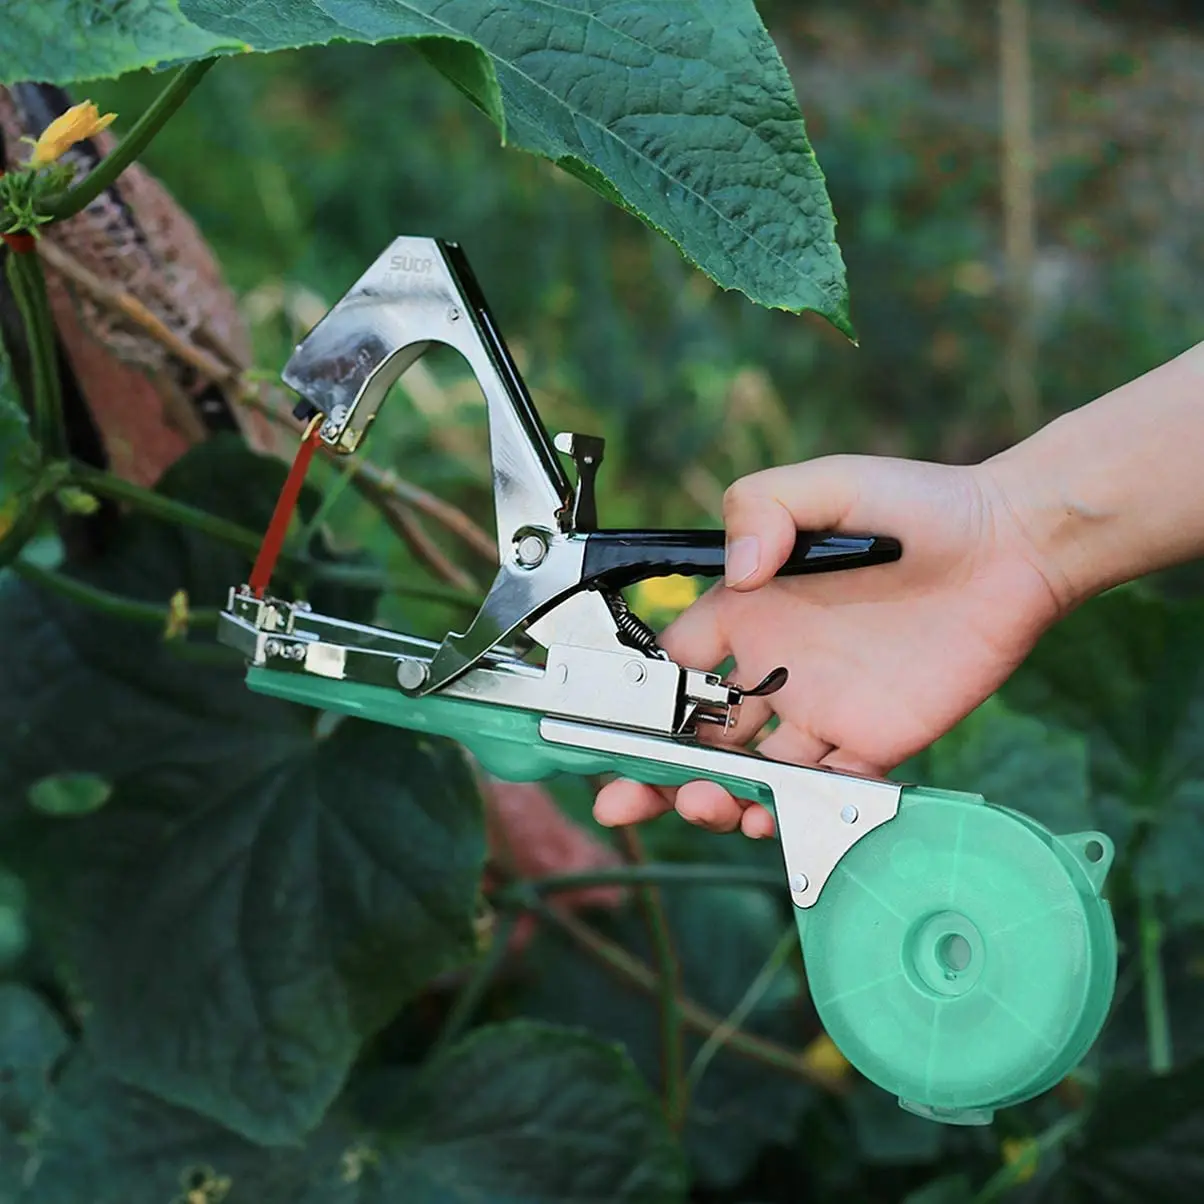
(763,513)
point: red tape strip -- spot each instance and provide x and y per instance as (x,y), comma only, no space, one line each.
(286,503)
(22,244)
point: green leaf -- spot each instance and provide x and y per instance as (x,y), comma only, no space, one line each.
(680,111)
(256,897)
(950,1189)
(31,1044)
(18,453)
(517,1114)
(723,938)
(887,1134)
(1013,760)
(69,794)
(1127,670)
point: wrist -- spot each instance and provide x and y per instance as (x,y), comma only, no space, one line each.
(1111,491)
(1058,519)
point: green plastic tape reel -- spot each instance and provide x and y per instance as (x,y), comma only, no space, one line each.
(961,956)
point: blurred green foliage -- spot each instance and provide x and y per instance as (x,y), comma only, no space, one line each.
(300,167)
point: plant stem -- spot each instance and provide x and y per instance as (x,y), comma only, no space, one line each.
(96,480)
(132,145)
(668,972)
(756,991)
(28,285)
(1158,1029)
(474,989)
(635,972)
(664,874)
(103,600)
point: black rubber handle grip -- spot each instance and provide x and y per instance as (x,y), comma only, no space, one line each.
(614,559)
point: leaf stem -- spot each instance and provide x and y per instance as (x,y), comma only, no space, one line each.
(103,600)
(470,997)
(106,484)
(28,285)
(668,973)
(756,991)
(1158,1029)
(132,145)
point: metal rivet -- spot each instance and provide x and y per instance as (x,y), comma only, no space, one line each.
(272,648)
(453,314)
(798,883)
(531,551)
(410,674)
(634,672)
(848,813)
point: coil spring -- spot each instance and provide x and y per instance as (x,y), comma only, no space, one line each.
(632,629)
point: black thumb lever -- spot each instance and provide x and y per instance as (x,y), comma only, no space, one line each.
(615,559)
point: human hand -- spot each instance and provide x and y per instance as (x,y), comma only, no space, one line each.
(882,660)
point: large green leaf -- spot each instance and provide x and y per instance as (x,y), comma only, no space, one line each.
(256,896)
(681,111)
(723,937)
(517,1114)
(1127,670)
(31,1043)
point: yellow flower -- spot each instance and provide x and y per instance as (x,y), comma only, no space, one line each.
(823,1058)
(77,123)
(177,616)
(1022,1150)
(660,594)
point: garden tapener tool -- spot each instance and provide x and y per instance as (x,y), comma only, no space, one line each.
(959,954)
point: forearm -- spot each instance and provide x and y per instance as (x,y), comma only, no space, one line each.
(1115,489)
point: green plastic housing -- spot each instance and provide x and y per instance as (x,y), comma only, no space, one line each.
(505,740)
(961,956)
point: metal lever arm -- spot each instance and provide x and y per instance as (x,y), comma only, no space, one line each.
(418,292)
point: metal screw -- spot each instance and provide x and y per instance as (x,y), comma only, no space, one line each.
(330,427)
(848,813)
(798,883)
(634,672)
(410,673)
(531,551)
(272,648)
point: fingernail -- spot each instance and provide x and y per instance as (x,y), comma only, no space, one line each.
(741,558)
